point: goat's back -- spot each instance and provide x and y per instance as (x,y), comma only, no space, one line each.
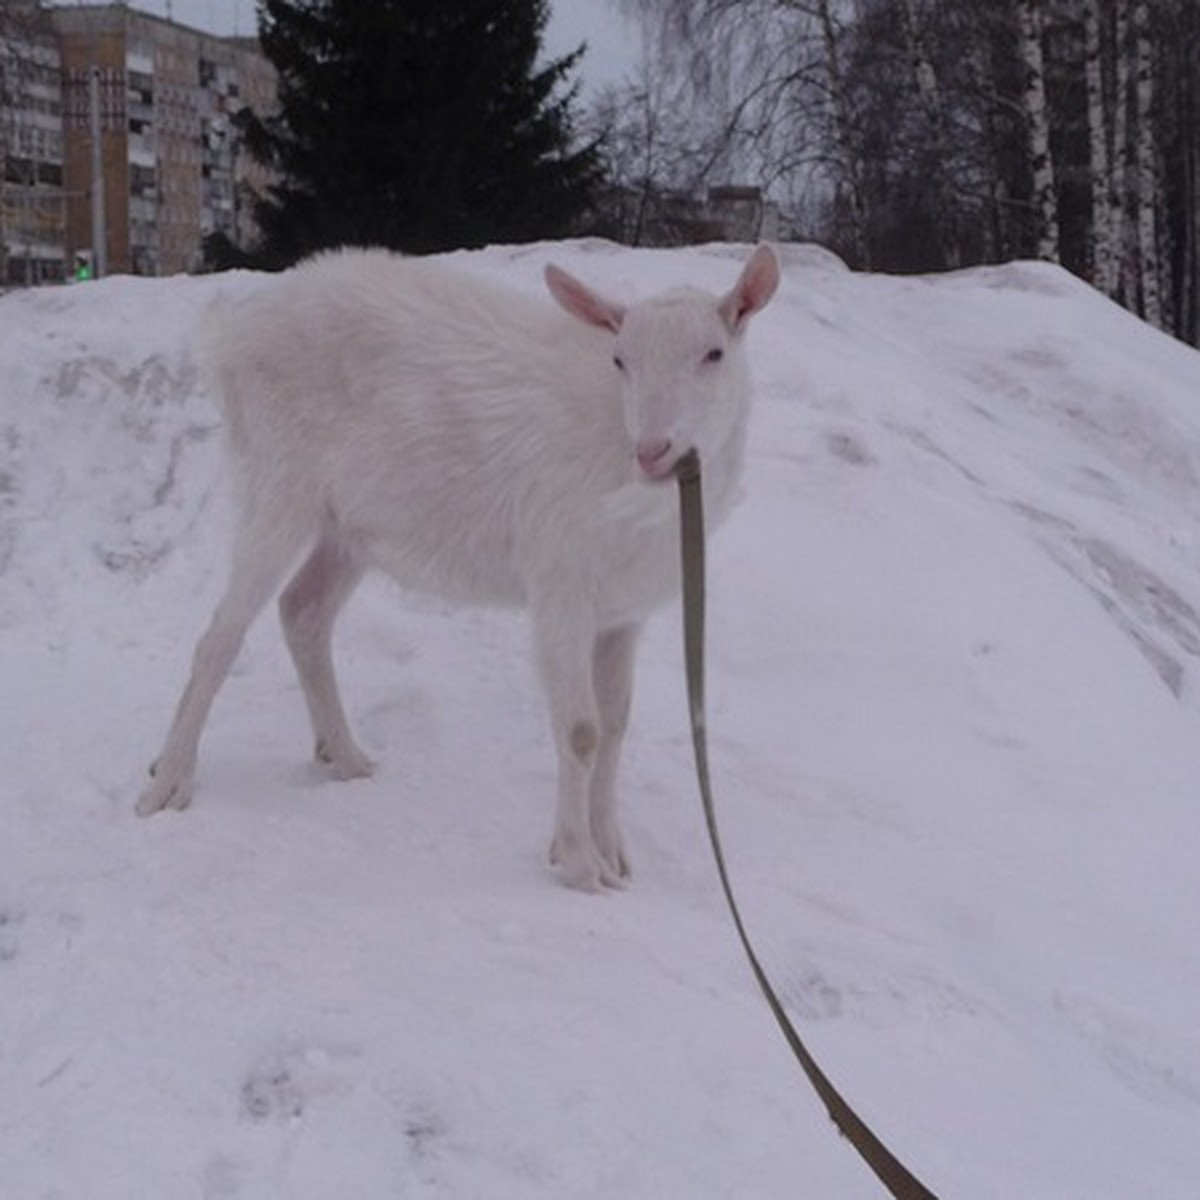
(460,432)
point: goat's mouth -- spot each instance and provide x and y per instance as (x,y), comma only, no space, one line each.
(656,459)
(658,473)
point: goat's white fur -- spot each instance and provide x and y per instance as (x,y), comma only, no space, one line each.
(477,444)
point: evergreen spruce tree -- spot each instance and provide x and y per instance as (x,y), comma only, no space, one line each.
(420,125)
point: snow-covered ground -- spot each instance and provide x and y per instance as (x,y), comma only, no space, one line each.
(954,682)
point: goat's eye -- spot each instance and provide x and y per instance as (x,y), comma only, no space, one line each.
(618,362)
(714,355)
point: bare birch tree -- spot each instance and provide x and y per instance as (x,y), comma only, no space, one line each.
(929,90)
(848,161)
(645,133)
(769,78)
(960,131)
(1037,117)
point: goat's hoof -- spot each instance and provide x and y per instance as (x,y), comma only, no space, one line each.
(583,868)
(161,795)
(611,850)
(343,762)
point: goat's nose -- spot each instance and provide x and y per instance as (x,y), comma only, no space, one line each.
(652,453)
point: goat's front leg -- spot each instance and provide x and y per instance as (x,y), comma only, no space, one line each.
(564,636)
(612,671)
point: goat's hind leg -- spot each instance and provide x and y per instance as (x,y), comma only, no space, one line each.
(308,608)
(261,557)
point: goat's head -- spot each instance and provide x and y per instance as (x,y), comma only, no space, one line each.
(679,360)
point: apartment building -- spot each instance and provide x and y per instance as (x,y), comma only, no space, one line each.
(145,106)
(32,198)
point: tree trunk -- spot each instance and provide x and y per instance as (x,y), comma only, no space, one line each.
(1179,161)
(847,154)
(930,93)
(1190,323)
(1118,184)
(1105,248)
(1192,68)
(1147,173)
(1037,116)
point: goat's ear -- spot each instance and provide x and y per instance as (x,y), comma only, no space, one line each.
(754,288)
(580,301)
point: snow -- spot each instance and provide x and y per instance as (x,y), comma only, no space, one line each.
(954,677)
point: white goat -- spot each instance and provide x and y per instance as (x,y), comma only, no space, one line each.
(471,442)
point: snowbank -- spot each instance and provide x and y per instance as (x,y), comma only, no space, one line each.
(954,638)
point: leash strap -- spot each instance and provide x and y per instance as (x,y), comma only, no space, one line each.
(892,1173)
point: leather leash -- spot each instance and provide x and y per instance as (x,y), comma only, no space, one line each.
(892,1173)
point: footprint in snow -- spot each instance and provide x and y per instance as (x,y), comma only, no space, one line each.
(285,1083)
(272,1095)
(9,921)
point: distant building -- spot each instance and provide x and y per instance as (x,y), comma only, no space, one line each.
(723,214)
(743,214)
(173,169)
(32,200)
(170,161)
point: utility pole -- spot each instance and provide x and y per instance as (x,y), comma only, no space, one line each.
(99,237)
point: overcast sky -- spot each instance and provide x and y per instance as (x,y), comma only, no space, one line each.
(612,40)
